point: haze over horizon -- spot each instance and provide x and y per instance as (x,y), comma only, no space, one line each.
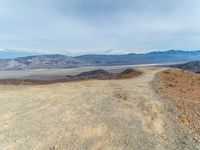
(76,27)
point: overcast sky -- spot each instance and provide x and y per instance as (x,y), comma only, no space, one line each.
(94,26)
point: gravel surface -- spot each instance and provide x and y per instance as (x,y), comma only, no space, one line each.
(182,89)
(122,114)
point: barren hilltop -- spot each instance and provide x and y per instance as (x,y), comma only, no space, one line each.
(127,113)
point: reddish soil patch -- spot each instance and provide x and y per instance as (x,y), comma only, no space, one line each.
(128,73)
(96,74)
(182,88)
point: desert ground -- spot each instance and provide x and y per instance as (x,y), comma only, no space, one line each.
(126,114)
(182,88)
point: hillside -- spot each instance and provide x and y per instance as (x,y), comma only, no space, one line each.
(40,62)
(190,66)
(182,89)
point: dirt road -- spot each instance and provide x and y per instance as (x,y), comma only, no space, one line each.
(96,114)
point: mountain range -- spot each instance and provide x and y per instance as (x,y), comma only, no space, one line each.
(63,61)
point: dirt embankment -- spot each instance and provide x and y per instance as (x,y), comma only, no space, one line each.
(182,88)
(94,74)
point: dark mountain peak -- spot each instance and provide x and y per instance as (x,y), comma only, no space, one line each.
(129,73)
(193,66)
(129,54)
(95,73)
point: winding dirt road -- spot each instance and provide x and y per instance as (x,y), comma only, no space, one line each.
(109,114)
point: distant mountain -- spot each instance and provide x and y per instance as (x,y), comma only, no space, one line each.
(62,61)
(153,57)
(190,66)
(40,62)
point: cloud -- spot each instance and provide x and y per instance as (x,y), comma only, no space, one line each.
(93,26)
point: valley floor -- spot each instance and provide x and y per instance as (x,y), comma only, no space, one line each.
(94,114)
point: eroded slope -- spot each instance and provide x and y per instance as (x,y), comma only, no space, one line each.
(182,88)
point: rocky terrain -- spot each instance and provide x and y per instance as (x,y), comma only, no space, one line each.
(40,62)
(193,66)
(182,89)
(96,74)
(92,114)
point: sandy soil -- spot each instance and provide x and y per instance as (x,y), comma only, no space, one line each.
(182,88)
(109,114)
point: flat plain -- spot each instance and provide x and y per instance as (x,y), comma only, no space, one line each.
(55,74)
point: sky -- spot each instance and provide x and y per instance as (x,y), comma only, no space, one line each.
(76,27)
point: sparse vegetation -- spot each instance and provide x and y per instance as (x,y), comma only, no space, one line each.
(183,90)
